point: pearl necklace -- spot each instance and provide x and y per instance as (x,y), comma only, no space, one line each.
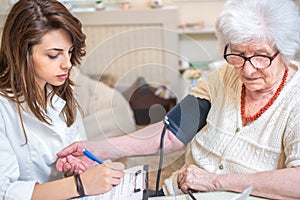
(263,109)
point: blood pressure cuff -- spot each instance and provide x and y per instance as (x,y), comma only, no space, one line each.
(187,118)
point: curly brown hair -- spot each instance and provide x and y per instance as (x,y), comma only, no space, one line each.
(27,22)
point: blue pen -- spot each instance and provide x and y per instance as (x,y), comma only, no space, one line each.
(92,156)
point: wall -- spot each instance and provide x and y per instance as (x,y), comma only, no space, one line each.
(192,11)
(189,11)
(4,5)
(196,47)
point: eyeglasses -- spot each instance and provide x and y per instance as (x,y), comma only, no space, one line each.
(257,61)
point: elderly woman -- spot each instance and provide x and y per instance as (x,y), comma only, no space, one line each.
(252,130)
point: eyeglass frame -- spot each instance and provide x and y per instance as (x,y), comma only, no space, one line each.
(249,58)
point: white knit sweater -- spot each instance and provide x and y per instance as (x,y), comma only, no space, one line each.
(224,145)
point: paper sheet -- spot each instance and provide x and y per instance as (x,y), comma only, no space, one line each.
(244,195)
(218,195)
(132,186)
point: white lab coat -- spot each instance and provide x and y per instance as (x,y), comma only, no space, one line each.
(24,165)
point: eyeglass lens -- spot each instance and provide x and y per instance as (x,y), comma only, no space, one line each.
(256,61)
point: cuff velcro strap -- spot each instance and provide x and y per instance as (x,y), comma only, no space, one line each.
(79,185)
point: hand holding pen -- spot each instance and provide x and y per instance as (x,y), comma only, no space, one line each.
(95,178)
(98,179)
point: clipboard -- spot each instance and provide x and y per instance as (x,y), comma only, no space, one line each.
(143,185)
(134,185)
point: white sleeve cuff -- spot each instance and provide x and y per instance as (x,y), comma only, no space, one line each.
(170,186)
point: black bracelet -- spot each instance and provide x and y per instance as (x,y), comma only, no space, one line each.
(79,185)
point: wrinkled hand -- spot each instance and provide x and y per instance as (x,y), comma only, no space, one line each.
(100,178)
(72,161)
(196,179)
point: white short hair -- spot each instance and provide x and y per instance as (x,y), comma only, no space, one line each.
(273,21)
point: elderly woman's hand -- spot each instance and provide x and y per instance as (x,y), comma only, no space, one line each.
(196,179)
(72,161)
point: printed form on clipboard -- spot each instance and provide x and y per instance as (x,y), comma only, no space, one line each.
(133,186)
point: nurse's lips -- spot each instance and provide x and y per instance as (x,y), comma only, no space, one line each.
(63,76)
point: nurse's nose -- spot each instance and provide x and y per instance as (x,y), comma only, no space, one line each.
(67,63)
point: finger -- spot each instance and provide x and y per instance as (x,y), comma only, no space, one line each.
(184,183)
(184,189)
(65,151)
(80,168)
(107,162)
(115,181)
(76,168)
(116,165)
(180,183)
(121,174)
(75,147)
(60,164)
(117,173)
(72,165)
(67,167)
(180,179)
(78,164)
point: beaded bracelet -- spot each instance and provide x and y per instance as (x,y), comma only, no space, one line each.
(79,185)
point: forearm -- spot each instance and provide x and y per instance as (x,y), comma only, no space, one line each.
(142,142)
(60,189)
(278,184)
